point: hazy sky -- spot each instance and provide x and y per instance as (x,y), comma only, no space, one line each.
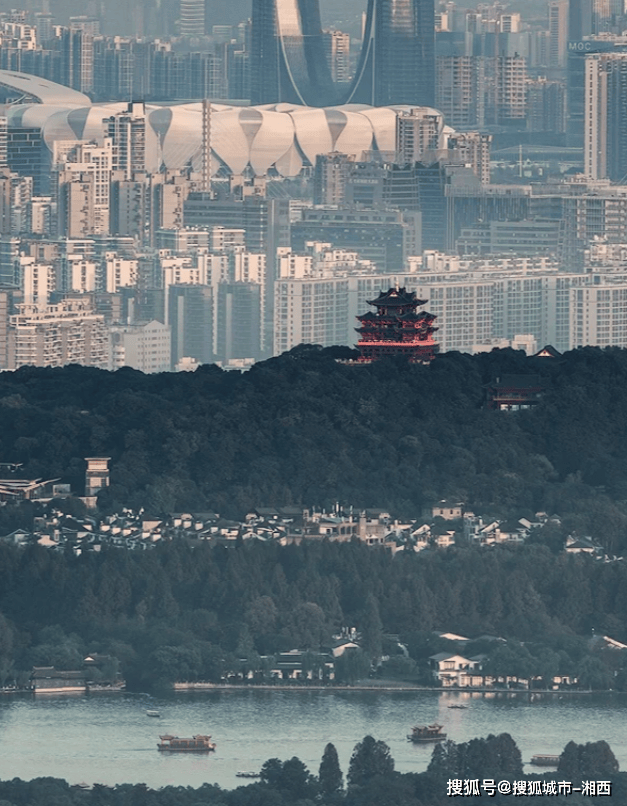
(117,15)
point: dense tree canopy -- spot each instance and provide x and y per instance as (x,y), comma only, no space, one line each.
(305,429)
(192,613)
(372,781)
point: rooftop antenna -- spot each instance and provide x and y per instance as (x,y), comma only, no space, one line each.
(206,145)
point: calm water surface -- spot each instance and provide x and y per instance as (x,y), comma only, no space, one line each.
(109,739)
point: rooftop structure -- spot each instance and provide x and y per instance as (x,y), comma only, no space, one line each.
(397,329)
(284,137)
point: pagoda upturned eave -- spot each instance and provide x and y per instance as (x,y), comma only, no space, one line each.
(397,297)
(397,328)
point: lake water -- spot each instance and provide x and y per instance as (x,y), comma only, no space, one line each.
(109,739)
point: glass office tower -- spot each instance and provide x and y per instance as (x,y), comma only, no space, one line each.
(397,63)
(288,62)
(396,66)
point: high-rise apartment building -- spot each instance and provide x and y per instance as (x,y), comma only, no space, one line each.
(481,90)
(54,335)
(511,96)
(127,131)
(418,135)
(323,309)
(144,346)
(83,181)
(191,318)
(239,321)
(472,149)
(77,58)
(331,176)
(337,46)
(546,106)
(605,132)
(38,280)
(599,314)
(192,17)
(606,14)
(558,33)
(456,90)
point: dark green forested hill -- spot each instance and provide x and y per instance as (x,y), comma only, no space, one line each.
(183,613)
(305,429)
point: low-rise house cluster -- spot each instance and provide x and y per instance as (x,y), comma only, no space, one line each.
(445,525)
(456,670)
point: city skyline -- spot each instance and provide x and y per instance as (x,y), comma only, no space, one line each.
(141,184)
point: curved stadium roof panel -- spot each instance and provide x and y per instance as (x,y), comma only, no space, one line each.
(311,130)
(273,137)
(352,132)
(17,86)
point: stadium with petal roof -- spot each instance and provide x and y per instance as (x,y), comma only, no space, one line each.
(277,139)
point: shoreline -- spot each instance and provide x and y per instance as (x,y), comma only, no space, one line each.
(388,688)
(187,687)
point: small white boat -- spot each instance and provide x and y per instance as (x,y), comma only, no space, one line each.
(152,712)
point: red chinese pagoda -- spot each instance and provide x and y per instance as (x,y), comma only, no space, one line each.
(397,329)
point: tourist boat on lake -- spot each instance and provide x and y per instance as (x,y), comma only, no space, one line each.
(247,774)
(197,744)
(426,733)
(545,760)
(152,712)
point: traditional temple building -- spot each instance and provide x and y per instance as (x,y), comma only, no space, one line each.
(514,392)
(397,328)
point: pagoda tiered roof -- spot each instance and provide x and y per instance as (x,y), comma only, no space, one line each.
(397,297)
(397,328)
